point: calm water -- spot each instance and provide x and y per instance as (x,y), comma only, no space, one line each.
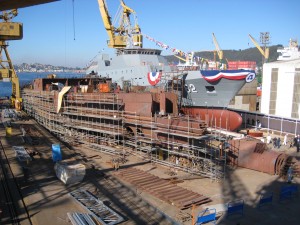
(27,78)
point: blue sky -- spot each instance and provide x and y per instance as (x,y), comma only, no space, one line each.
(186,25)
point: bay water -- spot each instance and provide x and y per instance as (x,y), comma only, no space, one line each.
(28,77)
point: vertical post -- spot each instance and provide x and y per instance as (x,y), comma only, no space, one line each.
(281,125)
(268,123)
(193,214)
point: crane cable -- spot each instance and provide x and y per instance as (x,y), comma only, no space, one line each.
(73,3)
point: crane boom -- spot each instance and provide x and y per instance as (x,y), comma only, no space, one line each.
(115,41)
(265,52)
(219,51)
(124,35)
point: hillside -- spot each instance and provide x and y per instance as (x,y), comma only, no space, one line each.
(250,54)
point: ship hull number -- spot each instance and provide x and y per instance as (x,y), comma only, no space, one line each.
(190,88)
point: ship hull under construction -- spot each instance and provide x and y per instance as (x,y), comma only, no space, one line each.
(84,112)
(120,123)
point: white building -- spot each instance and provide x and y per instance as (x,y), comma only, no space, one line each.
(281,89)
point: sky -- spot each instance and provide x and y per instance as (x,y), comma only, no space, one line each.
(71,32)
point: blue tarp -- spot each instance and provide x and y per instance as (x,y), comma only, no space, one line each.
(56,153)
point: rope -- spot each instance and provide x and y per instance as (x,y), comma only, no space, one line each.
(73,18)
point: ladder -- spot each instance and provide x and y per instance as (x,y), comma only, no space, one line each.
(96,207)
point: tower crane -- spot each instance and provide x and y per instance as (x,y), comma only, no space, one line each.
(264,52)
(9,31)
(125,35)
(219,51)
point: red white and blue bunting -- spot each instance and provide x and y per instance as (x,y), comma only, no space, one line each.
(215,75)
(154,77)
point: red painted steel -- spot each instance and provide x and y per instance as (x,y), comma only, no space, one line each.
(253,154)
(168,192)
(222,118)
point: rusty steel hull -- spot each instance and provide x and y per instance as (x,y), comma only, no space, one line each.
(221,118)
(253,154)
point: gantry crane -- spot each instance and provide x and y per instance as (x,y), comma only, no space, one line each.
(220,53)
(124,35)
(264,52)
(10,31)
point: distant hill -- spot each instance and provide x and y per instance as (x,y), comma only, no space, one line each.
(250,54)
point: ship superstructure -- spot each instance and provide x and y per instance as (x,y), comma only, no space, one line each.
(290,52)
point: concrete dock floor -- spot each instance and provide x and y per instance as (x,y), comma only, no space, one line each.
(48,199)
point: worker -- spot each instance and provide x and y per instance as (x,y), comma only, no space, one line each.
(221,149)
(269,139)
(275,142)
(25,173)
(298,142)
(116,164)
(290,175)
(285,139)
(278,142)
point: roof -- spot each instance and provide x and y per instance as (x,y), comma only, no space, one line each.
(15,4)
(292,62)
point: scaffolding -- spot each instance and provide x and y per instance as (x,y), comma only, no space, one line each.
(99,122)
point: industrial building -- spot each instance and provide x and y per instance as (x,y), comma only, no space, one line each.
(281,89)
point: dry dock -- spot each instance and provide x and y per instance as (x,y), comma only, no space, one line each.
(48,200)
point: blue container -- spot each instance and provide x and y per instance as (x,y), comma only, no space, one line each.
(56,153)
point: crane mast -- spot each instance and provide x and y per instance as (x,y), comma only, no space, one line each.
(10,31)
(124,35)
(219,52)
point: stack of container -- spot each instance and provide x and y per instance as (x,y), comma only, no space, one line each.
(235,65)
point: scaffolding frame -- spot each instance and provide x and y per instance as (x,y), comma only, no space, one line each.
(99,122)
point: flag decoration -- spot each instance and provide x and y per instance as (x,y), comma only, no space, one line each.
(173,50)
(165,46)
(215,75)
(154,77)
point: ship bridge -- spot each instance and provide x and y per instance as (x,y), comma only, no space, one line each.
(138,51)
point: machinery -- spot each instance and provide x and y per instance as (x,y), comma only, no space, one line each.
(264,52)
(10,31)
(220,53)
(124,35)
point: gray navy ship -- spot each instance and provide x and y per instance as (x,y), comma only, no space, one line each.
(148,68)
(133,65)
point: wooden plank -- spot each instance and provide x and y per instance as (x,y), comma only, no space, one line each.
(134,176)
(146,180)
(153,187)
(181,195)
(175,190)
(162,192)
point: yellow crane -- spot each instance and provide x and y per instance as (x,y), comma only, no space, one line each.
(219,51)
(124,35)
(264,52)
(10,31)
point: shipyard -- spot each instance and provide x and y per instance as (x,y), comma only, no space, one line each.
(143,138)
